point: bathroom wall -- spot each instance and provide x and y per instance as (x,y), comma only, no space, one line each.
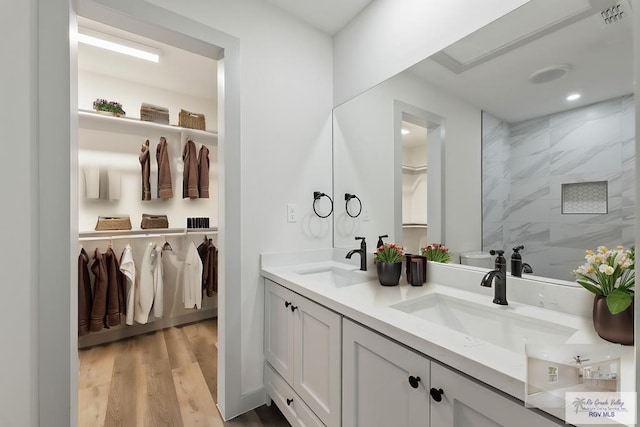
(524,166)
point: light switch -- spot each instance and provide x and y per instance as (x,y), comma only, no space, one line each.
(292,212)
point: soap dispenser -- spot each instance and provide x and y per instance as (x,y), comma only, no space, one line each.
(516,261)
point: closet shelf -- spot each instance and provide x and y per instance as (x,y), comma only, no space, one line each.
(414,225)
(144,234)
(91,120)
(414,169)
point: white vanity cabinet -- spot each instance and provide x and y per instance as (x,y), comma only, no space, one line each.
(381,388)
(375,381)
(302,346)
(467,403)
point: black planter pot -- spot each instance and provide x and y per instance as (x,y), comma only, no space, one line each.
(389,273)
(616,328)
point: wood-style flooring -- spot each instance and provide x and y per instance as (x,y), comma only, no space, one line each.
(166,378)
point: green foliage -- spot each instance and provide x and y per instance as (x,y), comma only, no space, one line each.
(389,252)
(436,252)
(110,106)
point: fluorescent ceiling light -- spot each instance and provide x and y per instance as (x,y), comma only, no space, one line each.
(405,131)
(573,97)
(116,44)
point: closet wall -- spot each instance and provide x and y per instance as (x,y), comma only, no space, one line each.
(112,145)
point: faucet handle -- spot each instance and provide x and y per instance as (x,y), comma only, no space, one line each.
(498,251)
(359,238)
(518,248)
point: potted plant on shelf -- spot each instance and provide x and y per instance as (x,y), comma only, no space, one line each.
(436,252)
(388,259)
(609,274)
(108,107)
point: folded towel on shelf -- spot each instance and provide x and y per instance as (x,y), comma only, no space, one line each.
(114,181)
(92,182)
(165,188)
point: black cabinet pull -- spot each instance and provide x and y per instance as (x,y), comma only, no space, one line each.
(414,381)
(436,394)
(289,402)
(293,308)
(287,304)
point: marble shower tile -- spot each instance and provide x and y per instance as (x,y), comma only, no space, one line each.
(495,189)
(586,136)
(531,166)
(628,236)
(492,235)
(627,117)
(613,178)
(613,217)
(528,144)
(527,232)
(529,188)
(590,112)
(581,236)
(607,158)
(527,210)
(529,126)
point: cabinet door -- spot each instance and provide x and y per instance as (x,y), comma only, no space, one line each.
(375,385)
(278,329)
(317,351)
(467,403)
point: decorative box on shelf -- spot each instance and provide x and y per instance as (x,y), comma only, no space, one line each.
(187,119)
(153,113)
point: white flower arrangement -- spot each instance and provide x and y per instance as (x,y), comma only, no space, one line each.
(609,273)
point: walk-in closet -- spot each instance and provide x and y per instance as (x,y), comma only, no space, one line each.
(148,204)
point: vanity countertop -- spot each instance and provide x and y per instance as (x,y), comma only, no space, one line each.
(369,304)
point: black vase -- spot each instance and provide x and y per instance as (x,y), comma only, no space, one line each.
(616,328)
(389,272)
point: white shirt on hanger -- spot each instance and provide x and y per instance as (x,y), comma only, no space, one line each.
(192,278)
(128,269)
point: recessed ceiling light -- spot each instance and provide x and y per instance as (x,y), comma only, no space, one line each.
(573,97)
(405,131)
(117,44)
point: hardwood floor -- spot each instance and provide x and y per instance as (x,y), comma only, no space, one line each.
(166,378)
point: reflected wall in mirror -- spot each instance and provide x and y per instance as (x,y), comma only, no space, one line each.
(414,185)
(507,85)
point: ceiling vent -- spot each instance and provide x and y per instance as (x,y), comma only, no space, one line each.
(549,74)
(613,14)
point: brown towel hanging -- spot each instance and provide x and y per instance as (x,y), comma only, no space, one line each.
(190,173)
(145,163)
(203,172)
(165,188)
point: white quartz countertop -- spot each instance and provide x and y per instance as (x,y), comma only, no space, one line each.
(369,303)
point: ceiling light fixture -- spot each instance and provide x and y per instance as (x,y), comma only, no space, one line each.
(405,131)
(117,44)
(549,74)
(573,97)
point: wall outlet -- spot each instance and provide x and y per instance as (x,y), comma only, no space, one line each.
(365,213)
(292,212)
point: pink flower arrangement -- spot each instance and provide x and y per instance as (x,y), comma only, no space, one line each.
(389,252)
(436,252)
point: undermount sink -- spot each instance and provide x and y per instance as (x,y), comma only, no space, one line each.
(495,325)
(335,276)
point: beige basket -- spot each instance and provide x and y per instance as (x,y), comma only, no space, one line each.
(187,119)
(113,223)
(153,113)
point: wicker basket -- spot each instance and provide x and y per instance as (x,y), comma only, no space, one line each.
(187,119)
(113,223)
(154,221)
(153,113)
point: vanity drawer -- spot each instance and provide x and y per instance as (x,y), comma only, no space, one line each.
(296,412)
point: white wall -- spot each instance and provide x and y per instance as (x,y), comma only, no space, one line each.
(392,35)
(364,161)
(286,84)
(538,375)
(19,217)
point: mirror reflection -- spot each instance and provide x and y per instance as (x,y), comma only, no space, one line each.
(522,164)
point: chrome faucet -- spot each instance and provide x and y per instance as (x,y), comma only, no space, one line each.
(363,253)
(500,276)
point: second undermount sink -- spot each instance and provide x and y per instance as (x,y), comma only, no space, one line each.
(335,276)
(502,327)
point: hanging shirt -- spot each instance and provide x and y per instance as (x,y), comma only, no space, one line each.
(172,267)
(192,278)
(128,269)
(149,291)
